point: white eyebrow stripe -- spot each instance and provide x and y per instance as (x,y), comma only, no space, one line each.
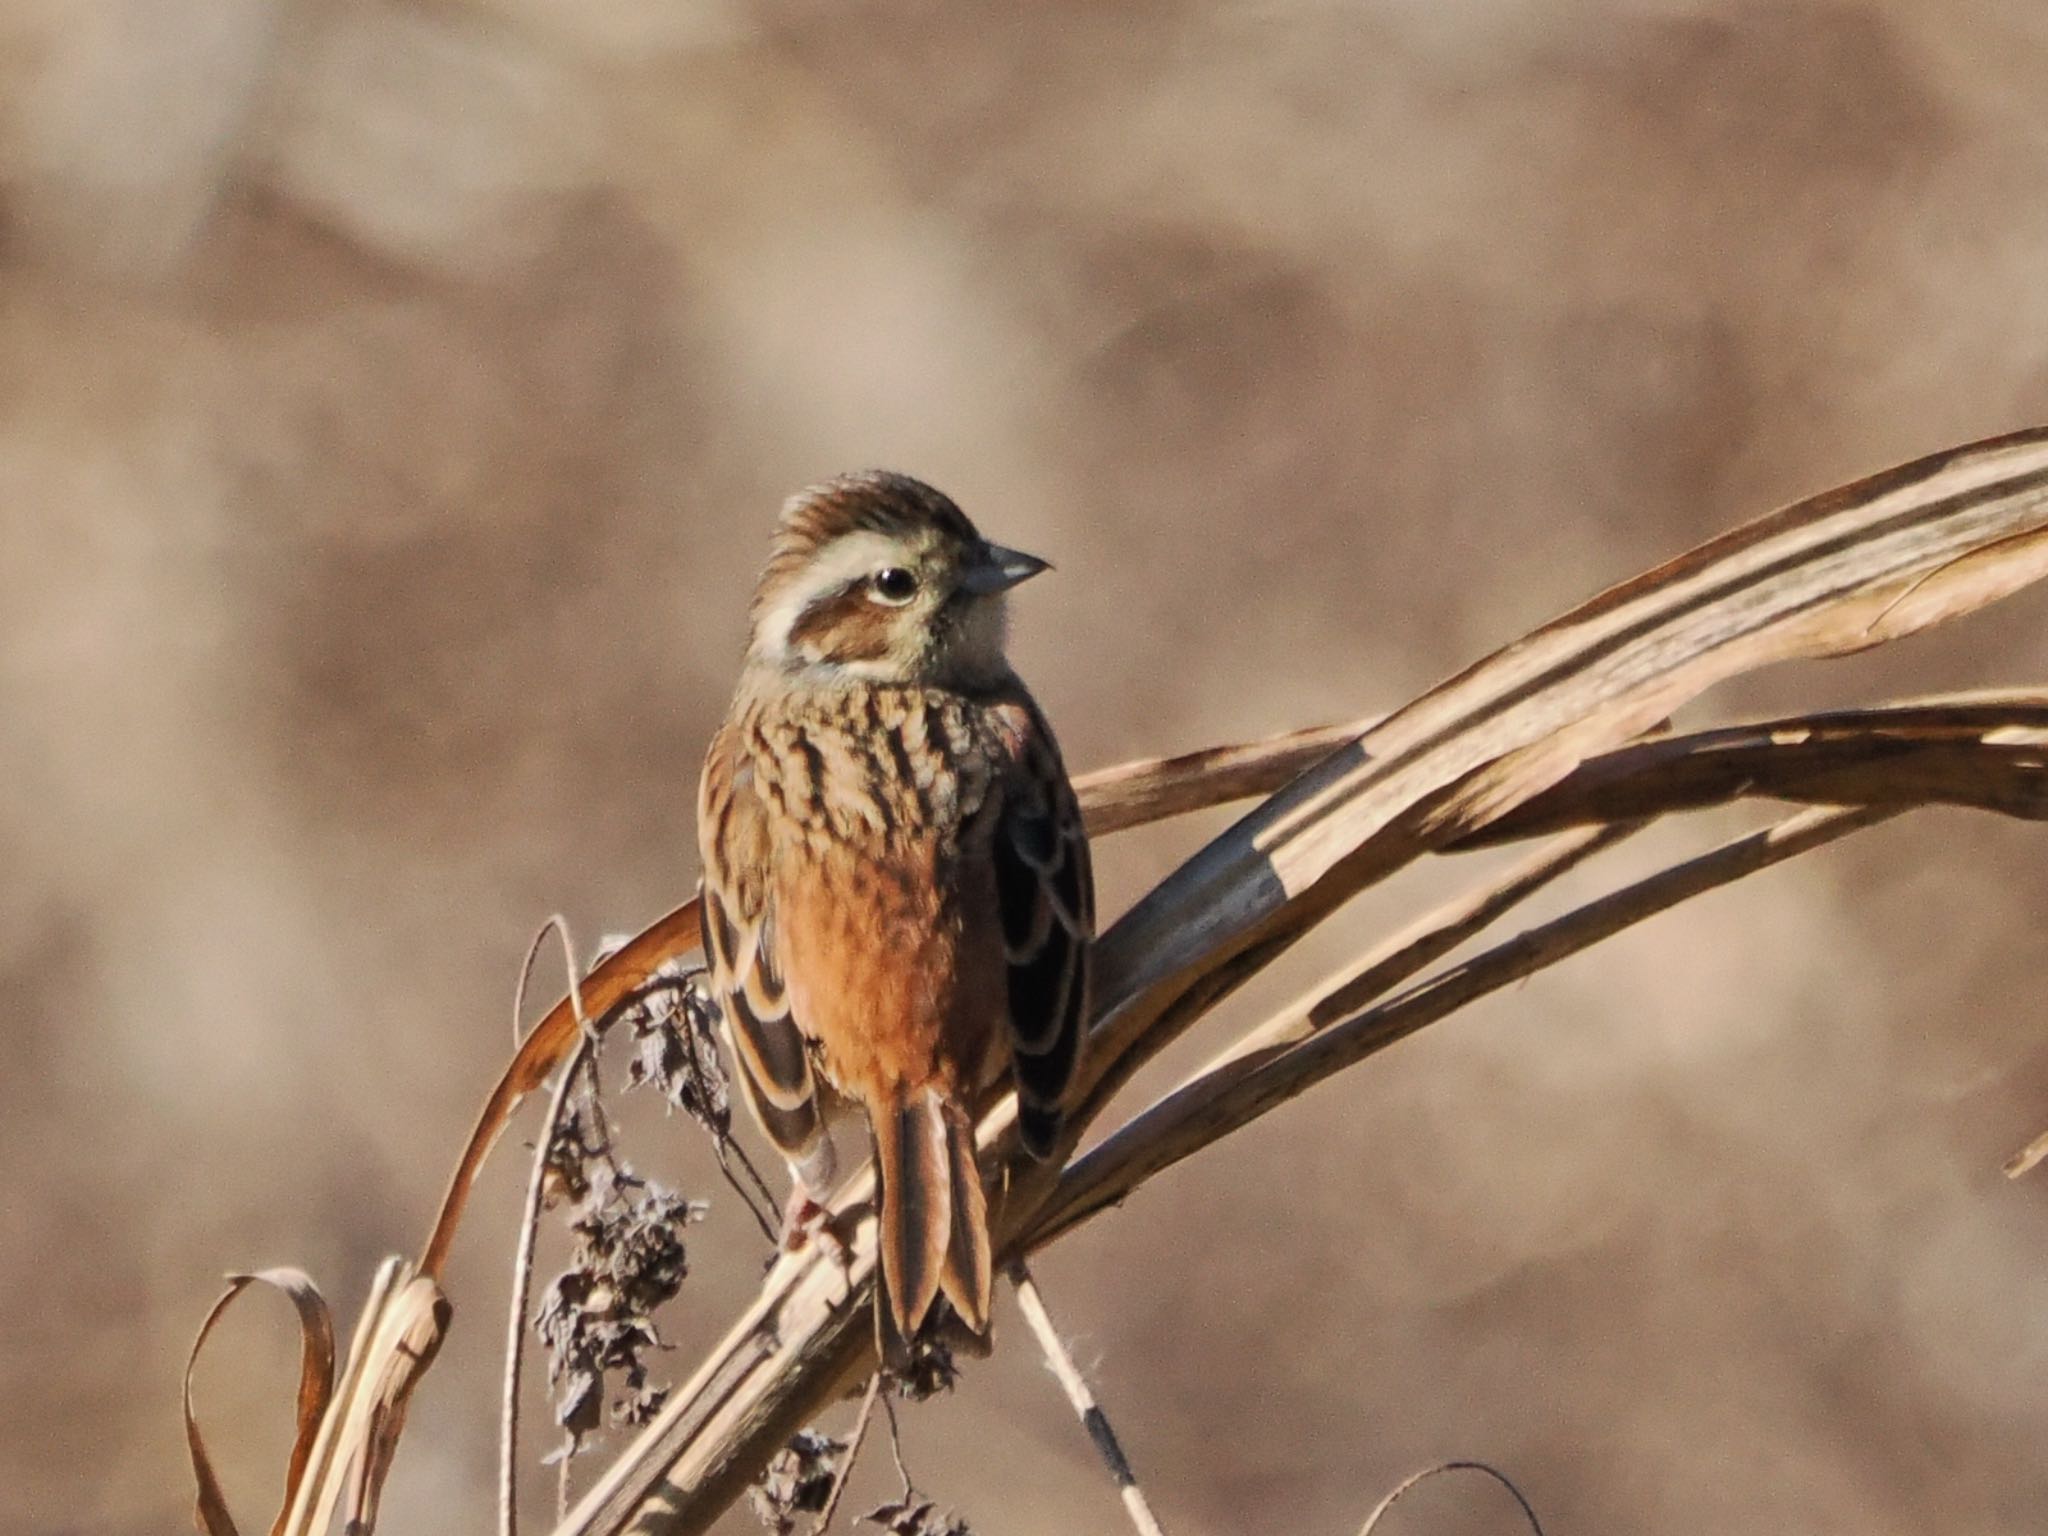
(846,559)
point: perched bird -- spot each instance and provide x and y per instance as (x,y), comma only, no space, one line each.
(898,904)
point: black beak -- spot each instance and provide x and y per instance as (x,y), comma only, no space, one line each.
(999,569)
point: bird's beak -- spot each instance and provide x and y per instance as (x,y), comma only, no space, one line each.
(999,569)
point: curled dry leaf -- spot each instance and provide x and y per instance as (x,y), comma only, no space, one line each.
(316,1388)
(346,1432)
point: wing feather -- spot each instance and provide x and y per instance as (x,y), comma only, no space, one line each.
(1046,894)
(746,976)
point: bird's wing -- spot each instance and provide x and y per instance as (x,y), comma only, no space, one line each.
(739,941)
(1046,889)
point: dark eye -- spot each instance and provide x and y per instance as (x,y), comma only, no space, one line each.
(893,584)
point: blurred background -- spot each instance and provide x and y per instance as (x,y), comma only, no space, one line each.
(395,399)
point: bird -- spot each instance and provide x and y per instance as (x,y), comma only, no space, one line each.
(898,903)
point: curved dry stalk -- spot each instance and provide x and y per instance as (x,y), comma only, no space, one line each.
(522,1292)
(1131,794)
(1415,1479)
(1208,1108)
(630,967)
(1878,559)
(529,1224)
(1986,751)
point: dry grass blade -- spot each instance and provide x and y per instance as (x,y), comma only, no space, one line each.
(1211,1107)
(401,1328)
(1413,949)
(1406,953)
(2028,1158)
(1983,751)
(316,1388)
(1081,1397)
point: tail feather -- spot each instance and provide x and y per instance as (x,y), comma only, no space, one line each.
(965,1277)
(934,1224)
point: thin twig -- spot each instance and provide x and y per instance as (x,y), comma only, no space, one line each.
(853,1445)
(679,991)
(896,1444)
(1413,1478)
(529,1226)
(562,1487)
(1075,1385)
(719,1146)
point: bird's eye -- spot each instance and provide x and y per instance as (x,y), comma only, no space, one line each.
(893,585)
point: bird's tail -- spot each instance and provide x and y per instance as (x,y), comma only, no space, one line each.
(934,1233)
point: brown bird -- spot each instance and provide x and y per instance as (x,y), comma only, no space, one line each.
(897,895)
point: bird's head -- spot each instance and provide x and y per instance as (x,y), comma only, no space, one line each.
(877,576)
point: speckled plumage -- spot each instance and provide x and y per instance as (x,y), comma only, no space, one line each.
(897,891)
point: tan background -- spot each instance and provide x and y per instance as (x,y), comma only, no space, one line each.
(393,402)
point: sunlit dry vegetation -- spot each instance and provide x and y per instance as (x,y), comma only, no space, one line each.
(1562,734)
(395,396)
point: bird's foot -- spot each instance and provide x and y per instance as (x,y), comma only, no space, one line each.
(805,1219)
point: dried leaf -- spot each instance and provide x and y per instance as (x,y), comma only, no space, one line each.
(798,1481)
(316,1387)
(914,1515)
(597,1318)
